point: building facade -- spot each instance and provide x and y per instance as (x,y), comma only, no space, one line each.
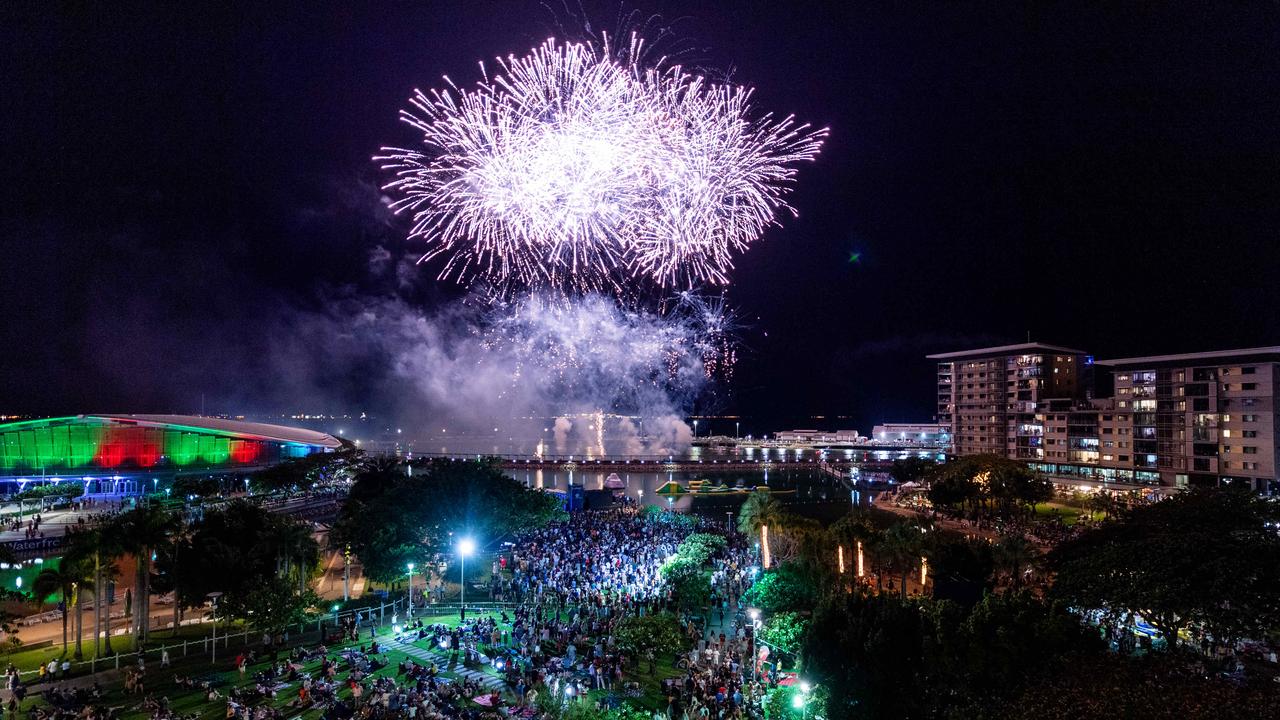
(1174,420)
(124,448)
(929,434)
(991,397)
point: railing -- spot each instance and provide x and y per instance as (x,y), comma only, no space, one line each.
(205,645)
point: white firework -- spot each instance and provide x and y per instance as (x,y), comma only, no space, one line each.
(577,168)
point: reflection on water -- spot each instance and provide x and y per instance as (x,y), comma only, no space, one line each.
(788,486)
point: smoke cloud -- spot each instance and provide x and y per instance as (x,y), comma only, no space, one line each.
(615,380)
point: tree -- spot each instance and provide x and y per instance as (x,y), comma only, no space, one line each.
(786,587)
(881,656)
(81,560)
(142,530)
(903,546)
(1014,557)
(104,544)
(989,483)
(689,581)
(391,517)
(910,469)
(659,633)
(961,568)
(1206,556)
(784,630)
(316,469)
(61,580)
(855,530)
(756,516)
(254,558)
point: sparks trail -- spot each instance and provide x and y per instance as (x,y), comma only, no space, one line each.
(580,167)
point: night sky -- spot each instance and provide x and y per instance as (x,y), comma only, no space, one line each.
(178,185)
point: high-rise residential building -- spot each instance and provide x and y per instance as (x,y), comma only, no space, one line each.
(1202,418)
(1196,418)
(990,396)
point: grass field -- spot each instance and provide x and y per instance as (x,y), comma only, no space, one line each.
(160,683)
(1070,515)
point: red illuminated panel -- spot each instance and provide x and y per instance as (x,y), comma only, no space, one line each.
(245,451)
(148,453)
(110,454)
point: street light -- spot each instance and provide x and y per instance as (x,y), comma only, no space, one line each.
(802,700)
(466,546)
(213,600)
(695,428)
(410,613)
(346,574)
(755,632)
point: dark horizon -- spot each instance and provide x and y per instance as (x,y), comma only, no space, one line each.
(186,187)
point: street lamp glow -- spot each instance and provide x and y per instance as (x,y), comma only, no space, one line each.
(754,613)
(804,686)
(466,546)
(410,566)
(797,701)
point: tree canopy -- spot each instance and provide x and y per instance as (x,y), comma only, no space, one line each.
(393,517)
(1205,557)
(258,560)
(987,483)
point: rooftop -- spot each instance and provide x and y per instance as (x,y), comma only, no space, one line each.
(1019,349)
(260,431)
(1260,353)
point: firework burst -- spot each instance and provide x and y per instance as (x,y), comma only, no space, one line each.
(578,167)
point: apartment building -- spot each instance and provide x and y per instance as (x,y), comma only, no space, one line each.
(1195,418)
(991,396)
(1202,418)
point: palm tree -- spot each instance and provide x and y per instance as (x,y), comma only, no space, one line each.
(855,530)
(1013,555)
(61,580)
(297,549)
(144,529)
(81,561)
(902,546)
(760,512)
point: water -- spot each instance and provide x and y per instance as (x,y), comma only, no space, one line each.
(803,490)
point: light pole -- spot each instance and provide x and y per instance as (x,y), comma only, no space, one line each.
(346,574)
(410,613)
(695,428)
(755,654)
(466,546)
(737,430)
(213,600)
(802,700)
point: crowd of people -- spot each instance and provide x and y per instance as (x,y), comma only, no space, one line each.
(568,585)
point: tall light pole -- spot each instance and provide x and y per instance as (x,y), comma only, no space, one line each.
(755,654)
(737,430)
(410,613)
(466,546)
(346,574)
(695,428)
(213,599)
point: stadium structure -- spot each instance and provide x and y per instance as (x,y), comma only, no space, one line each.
(117,453)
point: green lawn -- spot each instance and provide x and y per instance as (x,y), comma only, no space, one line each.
(1070,515)
(186,702)
(32,658)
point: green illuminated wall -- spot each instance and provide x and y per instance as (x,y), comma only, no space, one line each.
(89,444)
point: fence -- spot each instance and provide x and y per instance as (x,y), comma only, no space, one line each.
(205,646)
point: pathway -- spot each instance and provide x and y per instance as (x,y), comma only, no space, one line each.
(432,656)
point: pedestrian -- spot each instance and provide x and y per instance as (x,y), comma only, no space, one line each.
(164,657)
